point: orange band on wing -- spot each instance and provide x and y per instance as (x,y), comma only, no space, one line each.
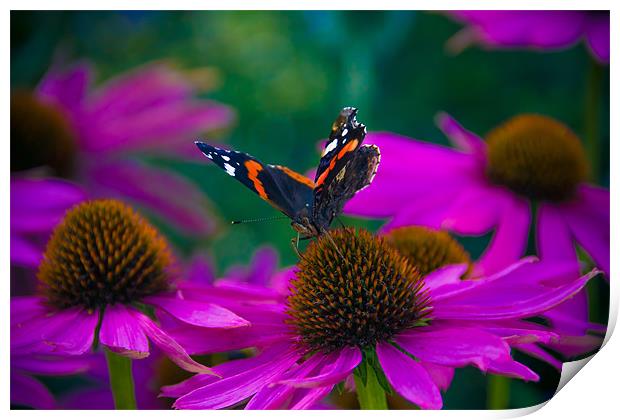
(296,176)
(348,148)
(254,168)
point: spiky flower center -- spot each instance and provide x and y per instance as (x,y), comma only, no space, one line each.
(103,253)
(537,157)
(427,249)
(40,136)
(353,289)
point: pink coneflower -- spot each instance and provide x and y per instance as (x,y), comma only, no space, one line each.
(93,136)
(493,184)
(358,307)
(106,279)
(534,29)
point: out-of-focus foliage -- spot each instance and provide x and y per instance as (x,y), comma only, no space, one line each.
(288,74)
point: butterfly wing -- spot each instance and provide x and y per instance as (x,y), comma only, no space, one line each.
(345,138)
(283,188)
(357,174)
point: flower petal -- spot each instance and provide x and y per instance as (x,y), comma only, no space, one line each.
(235,388)
(454,347)
(509,241)
(170,196)
(512,369)
(169,346)
(591,229)
(441,375)
(340,366)
(29,392)
(597,34)
(461,137)
(66,88)
(495,301)
(197,313)
(122,334)
(408,377)
(24,252)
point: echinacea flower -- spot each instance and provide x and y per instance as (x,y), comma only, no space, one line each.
(93,137)
(358,307)
(106,279)
(529,161)
(534,29)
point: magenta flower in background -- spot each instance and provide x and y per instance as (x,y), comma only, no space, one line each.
(534,29)
(482,186)
(316,337)
(84,284)
(93,136)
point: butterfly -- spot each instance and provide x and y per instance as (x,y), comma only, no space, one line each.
(346,167)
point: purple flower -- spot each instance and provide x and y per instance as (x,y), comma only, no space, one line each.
(107,278)
(93,136)
(341,311)
(535,29)
(491,185)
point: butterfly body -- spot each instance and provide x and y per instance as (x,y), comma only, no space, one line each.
(346,167)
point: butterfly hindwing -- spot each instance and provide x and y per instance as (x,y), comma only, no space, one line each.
(357,174)
(345,138)
(286,190)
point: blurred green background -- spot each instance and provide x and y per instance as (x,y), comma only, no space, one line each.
(287,74)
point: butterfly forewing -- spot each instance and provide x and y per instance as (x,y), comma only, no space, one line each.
(286,190)
(345,138)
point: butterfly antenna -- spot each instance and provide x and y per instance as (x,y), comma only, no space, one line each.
(262,219)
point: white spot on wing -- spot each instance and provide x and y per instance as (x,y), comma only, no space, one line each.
(208,155)
(230,170)
(344,132)
(331,146)
(226,158)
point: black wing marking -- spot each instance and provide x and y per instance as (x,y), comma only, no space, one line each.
(355,176)
(281,187)
(345,138)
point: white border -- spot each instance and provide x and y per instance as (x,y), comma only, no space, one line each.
(593,395)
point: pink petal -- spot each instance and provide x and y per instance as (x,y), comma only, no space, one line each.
(493,302)
(509,241)
(233,389)
(340,366)
(431,167)
(591,229)
(225,370)
(69,331)
(122,334)
(441,375)
(51,365)
(274,396)
(598,34)
(197,313)
(474,211)
(454,347)
(512,369)
(535,351)
(25,253)
(408,378)
(169,346)
(24,308)
(199,270)
(168,195)
(66,88)
(554,241)
(29,392)
(461,137)
(445,276)
(306,399)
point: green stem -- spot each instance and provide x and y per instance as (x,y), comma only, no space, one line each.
(370,395)
(121,381)
(498,392)
(592,114)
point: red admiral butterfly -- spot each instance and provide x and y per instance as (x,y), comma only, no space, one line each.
(345,168)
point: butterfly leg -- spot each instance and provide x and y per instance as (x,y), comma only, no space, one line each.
(295,245)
